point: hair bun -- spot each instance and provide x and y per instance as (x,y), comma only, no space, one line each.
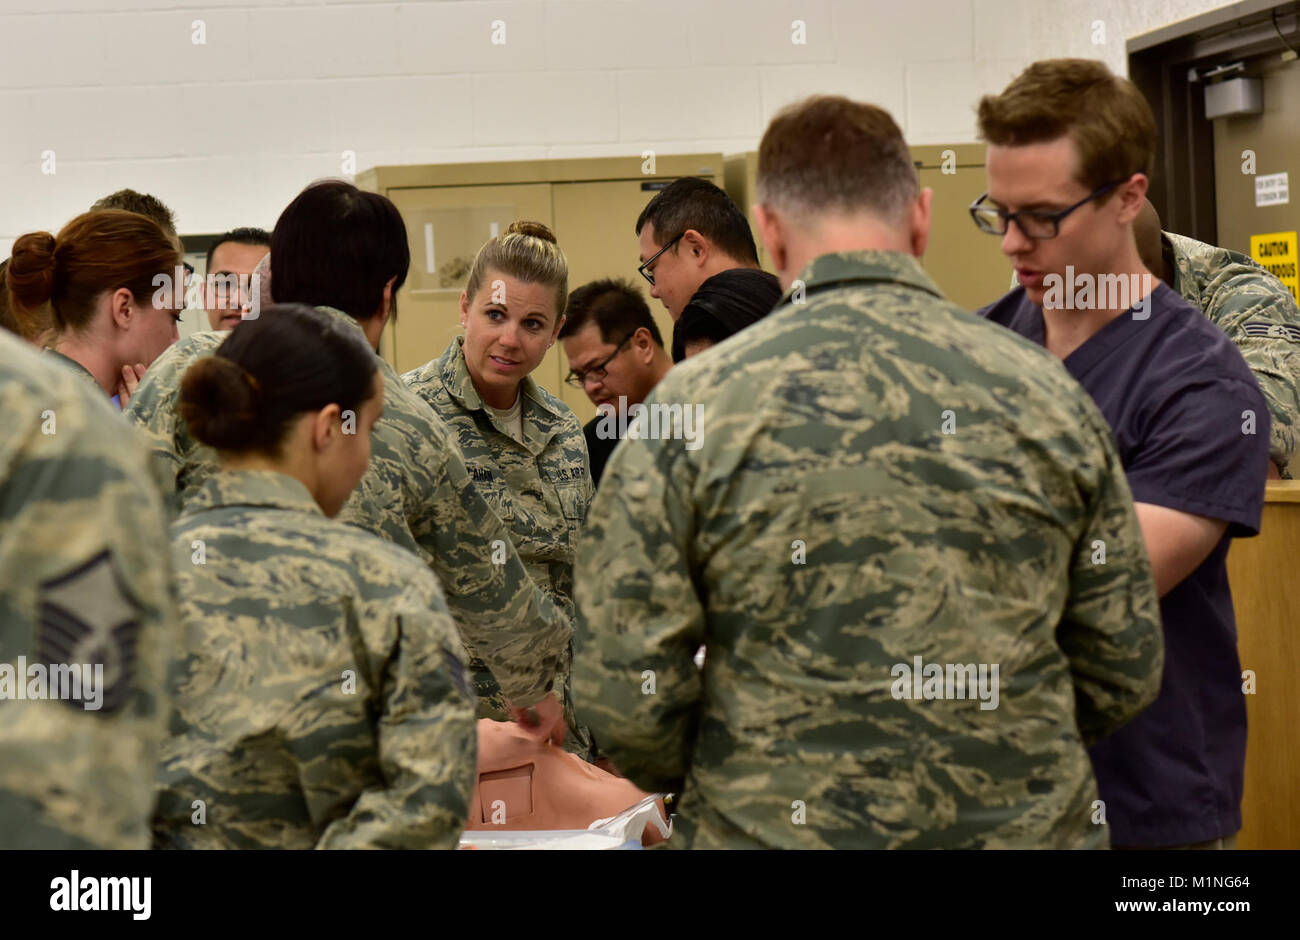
(219,401)
(533,229)
(31,270)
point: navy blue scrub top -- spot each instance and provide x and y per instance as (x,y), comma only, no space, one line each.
(1174,388)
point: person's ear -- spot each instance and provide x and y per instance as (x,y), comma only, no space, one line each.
(464,309)
(771,231)
(325,428)
(920,222)
(1132,197)
(120,304)
(696,247)
(644,345)
(555,333)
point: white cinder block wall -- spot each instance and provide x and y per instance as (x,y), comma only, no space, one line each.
(114,93)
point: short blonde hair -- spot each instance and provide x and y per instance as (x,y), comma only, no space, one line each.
(527,251)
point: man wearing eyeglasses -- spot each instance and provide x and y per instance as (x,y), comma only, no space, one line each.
(1070,147)
(616,355)
(227,290)
(689,232)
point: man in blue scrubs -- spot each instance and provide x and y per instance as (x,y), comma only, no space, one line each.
(1070,146)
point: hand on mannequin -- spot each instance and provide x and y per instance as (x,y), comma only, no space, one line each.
(543,720)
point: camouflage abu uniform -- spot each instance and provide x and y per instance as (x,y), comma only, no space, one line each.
(828,531)
(75,367)
(416,494)
(282,608)
(1261,318)
(84,578)
(541,488)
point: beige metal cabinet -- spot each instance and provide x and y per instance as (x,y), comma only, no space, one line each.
(610,250)
(967,264)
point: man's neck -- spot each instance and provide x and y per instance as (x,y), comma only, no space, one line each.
(94,359)
(719,262)
(1083,304)
(855,234)
(659,367)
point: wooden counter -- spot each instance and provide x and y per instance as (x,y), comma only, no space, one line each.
(1265,577)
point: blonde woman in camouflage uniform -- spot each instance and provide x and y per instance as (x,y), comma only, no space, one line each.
(321,697)
(523,446)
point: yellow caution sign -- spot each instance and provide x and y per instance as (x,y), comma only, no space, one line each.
(1277,252)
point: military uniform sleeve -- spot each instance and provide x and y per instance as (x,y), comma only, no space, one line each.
(1260,316)
(427,740)
(590,488)
(1110,629)
(640,620)
(153,410)
(85,580)
(512,626)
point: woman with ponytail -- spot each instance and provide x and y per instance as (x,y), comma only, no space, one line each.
(523,446)
(106,287)
(321,696)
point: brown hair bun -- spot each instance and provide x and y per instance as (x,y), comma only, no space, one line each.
(268,372)
(533,229)
(219,401)
(31,270)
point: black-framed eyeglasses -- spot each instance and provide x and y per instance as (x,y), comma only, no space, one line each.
(1032,222)
(644,268)
(579,379)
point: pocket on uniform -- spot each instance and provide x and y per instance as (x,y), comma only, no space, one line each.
(573,502)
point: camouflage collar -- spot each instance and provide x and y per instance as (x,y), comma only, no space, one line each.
(340,315)
(1175,256)
(854,267)
(75,366)
(454,373)
(252,488)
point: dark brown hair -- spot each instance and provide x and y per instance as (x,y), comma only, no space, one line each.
(337,246)
(723,306)
(142,203)
(695,203)
(7,319)
(289,361)
(1106,116)
(828,153)
(95,252)
(615,306)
